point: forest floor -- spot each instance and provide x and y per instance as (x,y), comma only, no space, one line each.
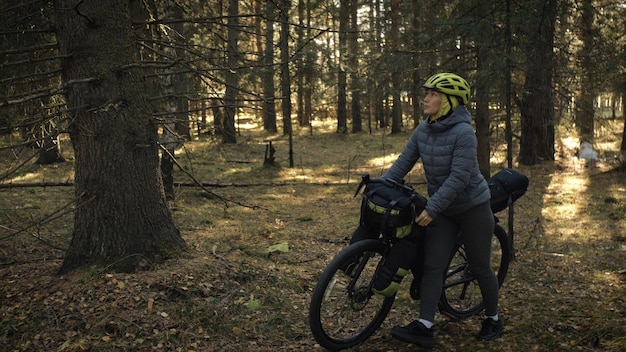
(258,244)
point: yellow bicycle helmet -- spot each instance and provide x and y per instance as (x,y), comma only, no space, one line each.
(451,84)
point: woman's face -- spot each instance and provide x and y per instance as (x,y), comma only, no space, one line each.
(432,102)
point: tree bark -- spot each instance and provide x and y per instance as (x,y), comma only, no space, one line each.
(168,10)
(353,58)
(309,59)
(269,108)
(378,85)
(285,80)
(484,41)
(396,108)
(416,79)
(121,218)
(584,104)
(342,77)
(232,74)
(300,64)
(536,104)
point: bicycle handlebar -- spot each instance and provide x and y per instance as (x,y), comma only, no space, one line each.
(417,199)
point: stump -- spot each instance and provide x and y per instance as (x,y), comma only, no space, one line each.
(269,159)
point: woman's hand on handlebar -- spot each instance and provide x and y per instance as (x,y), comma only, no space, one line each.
(423,219)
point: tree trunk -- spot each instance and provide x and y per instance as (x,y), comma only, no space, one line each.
(232,74)
(536,104)
(168,10)
(378,82)
(484,70)
(584,105)
(416,79)
(218,116)
(307,75)
(182,81)
(300,63)
(121,218)
(353,57)
(342,80)
(396,78)
(285,80)
(269,109)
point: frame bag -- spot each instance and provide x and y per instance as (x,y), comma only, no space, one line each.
(506,187)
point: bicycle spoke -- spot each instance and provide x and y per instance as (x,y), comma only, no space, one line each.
(344,311)
(461,294)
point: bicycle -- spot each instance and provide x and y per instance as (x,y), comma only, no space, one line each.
(344,310)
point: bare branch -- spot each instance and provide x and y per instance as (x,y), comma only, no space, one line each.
(46,93)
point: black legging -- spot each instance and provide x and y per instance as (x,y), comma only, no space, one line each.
(476,228)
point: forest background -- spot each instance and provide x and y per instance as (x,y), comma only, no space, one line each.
(168,114)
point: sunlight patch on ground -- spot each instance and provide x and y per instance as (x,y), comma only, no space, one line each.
(27,177)
(561,209)
(328,174)
(572,184)
(383,161)
(248,125)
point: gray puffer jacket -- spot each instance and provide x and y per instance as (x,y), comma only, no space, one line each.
(448,151)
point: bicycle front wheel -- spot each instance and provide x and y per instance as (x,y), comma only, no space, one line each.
(344,310)
(461,296)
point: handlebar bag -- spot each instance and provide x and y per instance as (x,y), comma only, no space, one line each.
(388,208)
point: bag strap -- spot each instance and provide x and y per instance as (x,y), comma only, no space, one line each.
(383,226)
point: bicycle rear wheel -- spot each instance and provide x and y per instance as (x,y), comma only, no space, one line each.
(344,311)
(461,295)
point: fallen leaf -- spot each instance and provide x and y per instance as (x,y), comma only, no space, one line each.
(280,247)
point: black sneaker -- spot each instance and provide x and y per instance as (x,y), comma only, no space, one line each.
(490,330)
(415,333)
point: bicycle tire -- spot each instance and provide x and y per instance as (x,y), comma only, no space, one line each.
(461,297)
(344,312)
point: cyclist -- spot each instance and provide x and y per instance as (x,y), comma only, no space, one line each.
(459,203)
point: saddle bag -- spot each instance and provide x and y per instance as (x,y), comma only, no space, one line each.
(506,187)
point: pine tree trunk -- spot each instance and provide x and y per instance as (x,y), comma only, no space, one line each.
(483,83)
(232,75)
(269,108)
(342,76)
(537,103)
(584,104)
(396,78)
(355,81)
(121,218)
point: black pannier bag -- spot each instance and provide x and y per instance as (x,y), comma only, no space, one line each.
(506,187)
(389,208)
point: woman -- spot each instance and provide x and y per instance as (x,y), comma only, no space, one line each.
(459,202)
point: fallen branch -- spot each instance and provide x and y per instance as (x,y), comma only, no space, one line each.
(36,184)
